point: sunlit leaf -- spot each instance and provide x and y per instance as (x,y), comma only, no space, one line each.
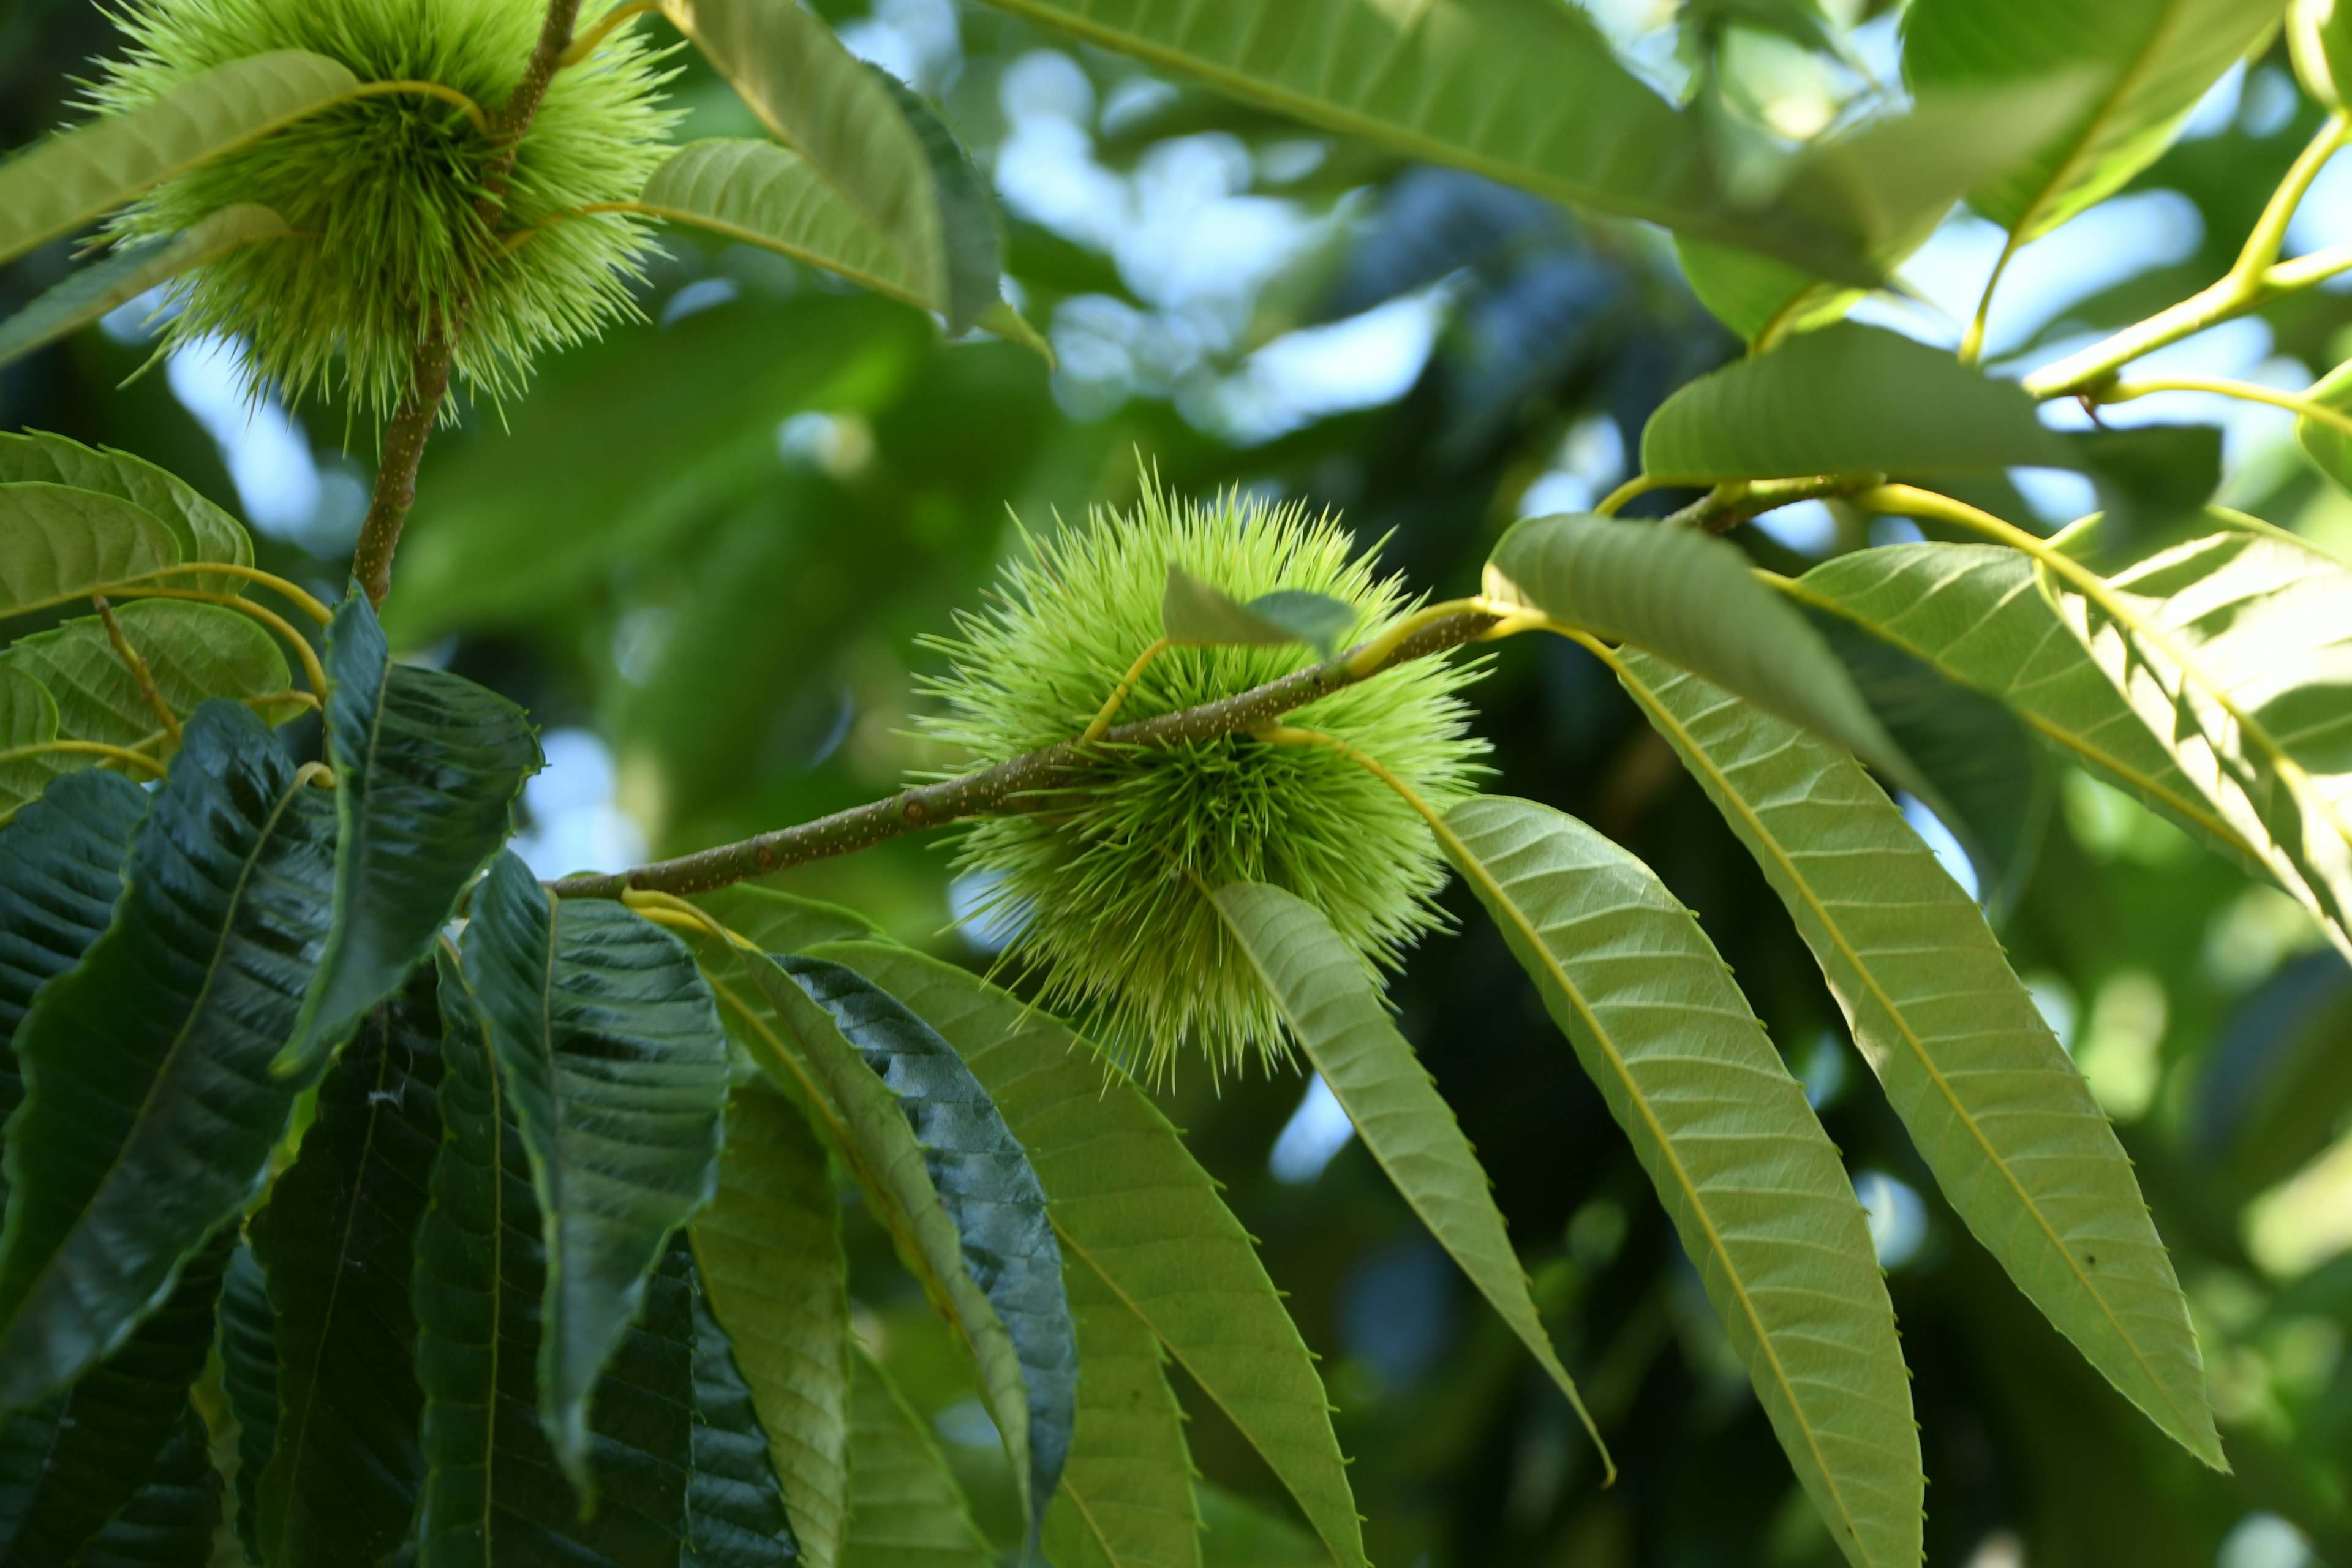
(1993,1104)
(336,1241)
(29,721)
(192,652)
(770,196)
(1127,1496)
(427,765)
(149,1113)
(1127,1198)
(905,1510)
(206,532)
(1192,611)
(608,1041)
(130,272)
(1334,1013)
(57,543)
(56,186)
(1753,1185)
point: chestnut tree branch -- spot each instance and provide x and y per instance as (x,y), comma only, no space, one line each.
(1030,782)
(404,438)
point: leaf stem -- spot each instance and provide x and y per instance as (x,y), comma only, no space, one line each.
(1022,783)
(1639,485)
(138,667)
(85,749)
(1972,341)
(586,43)
(1727,506)
(2248,391)
(431,90)
(1118,698)
(312,670)
(137,586)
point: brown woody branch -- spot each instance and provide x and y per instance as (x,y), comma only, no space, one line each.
(1024,784)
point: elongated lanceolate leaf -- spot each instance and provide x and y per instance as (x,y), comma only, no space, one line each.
(1993,1104)
(821,99)
(1846,399)
(130,272)
(1192,611)
(988,1189)
(609,1043)
(68,1464)
(493,1493)
(905,1508)
(206,532)
(1973,612)
(2235,650)
(172,1522)
(1127,1494)
(57,545)
(248,1350)
(1525,91)
(1334,1012)
(1690,598)
(192,652)
(1128,1199)
(150,1112)
(2153,59)
(972,251)
(59,185)
(770,196)
(734,1509)
(336,1240)
(1752,1184)
(29,722)
(427,765)
(769,1251)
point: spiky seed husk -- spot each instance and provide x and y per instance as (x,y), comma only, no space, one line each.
(1106,886)
(382,191)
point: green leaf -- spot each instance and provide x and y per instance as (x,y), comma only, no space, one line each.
(248,1350)
(609,1042)
(782,923)
(1847,399)
(1754,1187)
(130,272)
(769,1251)
(826,105)
(1480,84)
(770,196)
(206,532)
(149,1113)
(1127,1494)
(1973,612)
(427,765)
(57,544)
(2151,480)
(735,1509)
(2235,650)
(336,1242)
(1992,785)
(1993,1103)
(988,1189)
(2153,59)
(56,186)
(2329,447)
(171,1522)
(1128,1199)
(193,651)
(60,872)
(905,1508)
(493,1494)
(1757,297)
(972,249)
(1691,598)
(1192,611)
(1334,1013)
(29,718)
(68,1466)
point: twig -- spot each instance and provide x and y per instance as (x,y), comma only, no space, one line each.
(1022,784)
(404,438)
(1727,506)
(138,667)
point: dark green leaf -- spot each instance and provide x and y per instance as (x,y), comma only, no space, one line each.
(249,1349)
(987,1187)
(1191,611)
(494,1494)
(905,1508)
(150,1112)
(69,1465)
(1847,399)
(735,1509)
(2151,480)
(336,1241)
(206,532)
(427,765)
(608,1040)
(130,272)
(172,1522)
(768,1250)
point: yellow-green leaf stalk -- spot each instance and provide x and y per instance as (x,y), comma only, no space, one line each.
(1107,881)
(383,192)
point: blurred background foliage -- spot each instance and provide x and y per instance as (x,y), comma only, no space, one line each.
(705,551)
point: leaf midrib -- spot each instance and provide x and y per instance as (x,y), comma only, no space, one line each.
(2127,79)
(1474,868)
(1692,749)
